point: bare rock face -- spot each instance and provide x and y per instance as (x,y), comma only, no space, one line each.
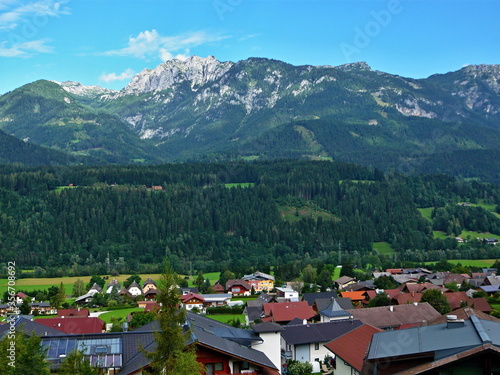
(196,71)
(77,88)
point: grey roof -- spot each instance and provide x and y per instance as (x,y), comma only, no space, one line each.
(28,326)
(311,297)
(438,338)
(234,349)
(344,302)
(493,280)
(318,332)
(267,327)
(220,336)
(368,284)
(254,312)
(490,288)
(334,310)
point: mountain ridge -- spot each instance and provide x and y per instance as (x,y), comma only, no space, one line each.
(202,107)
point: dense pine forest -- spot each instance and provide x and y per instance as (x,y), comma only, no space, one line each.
(237,215)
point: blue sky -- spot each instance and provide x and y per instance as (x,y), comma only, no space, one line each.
(106,42)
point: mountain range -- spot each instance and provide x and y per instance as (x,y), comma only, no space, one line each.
(205,109)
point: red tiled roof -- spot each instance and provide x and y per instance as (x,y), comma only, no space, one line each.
(406,298)
(73,312)
(238,282)
(358,338)
(394,271)
(287,311)
(74,325)
(21,295)
(354,296)
(191,295)
(392,293)
(455,299)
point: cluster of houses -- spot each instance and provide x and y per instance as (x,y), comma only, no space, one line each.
(334,331)
(148,291)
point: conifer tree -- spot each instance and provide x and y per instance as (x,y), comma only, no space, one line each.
(172,356)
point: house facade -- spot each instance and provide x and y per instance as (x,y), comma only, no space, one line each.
(260,281)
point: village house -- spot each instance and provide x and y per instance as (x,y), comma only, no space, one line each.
(305,342)
(192,300)
(148,285)
(345,360)
(260,281)
(344,281)
(222,349)
(284,312)
(114,284)
(134,289)
(288,294)
(238,287)
(456,346)
(78,325)
(69,313)
(396,317)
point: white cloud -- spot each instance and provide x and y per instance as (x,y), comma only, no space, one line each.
(148,44)
(25,49)
(32,13)
(109,77)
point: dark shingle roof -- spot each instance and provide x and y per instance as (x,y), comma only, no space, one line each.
(318,332)
(28,326)
(267,327)
(311,297)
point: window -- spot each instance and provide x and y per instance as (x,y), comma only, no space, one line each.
(244,365)
(316,346)
(102,349)
(212,367)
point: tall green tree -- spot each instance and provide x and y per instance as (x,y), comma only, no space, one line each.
(437,300)
(172,356)
(25,308)
(135,277)
(59,298)
(78,288)
(97,280)
(29,356)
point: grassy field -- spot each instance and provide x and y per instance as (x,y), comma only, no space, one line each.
(336,273)
(289,213)
(227,318)
(383,247)
(240,184)
(426,212)
(118,314)
(483,263)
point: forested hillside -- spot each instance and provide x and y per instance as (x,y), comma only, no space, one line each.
(82,220)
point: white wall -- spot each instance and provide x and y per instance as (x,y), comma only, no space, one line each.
(271,347)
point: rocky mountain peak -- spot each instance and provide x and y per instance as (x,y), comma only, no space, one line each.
(77,88)
(361,65)
(195,70)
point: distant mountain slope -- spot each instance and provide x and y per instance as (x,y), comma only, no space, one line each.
(262,108)
(13,150)
(45,114)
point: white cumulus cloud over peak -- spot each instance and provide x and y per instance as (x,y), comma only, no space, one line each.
(24,49)
(110,77)
(148,44)
(33,12)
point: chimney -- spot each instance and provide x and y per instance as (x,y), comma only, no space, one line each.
(415,303)
(304,321)
(452,321)
(391,308)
